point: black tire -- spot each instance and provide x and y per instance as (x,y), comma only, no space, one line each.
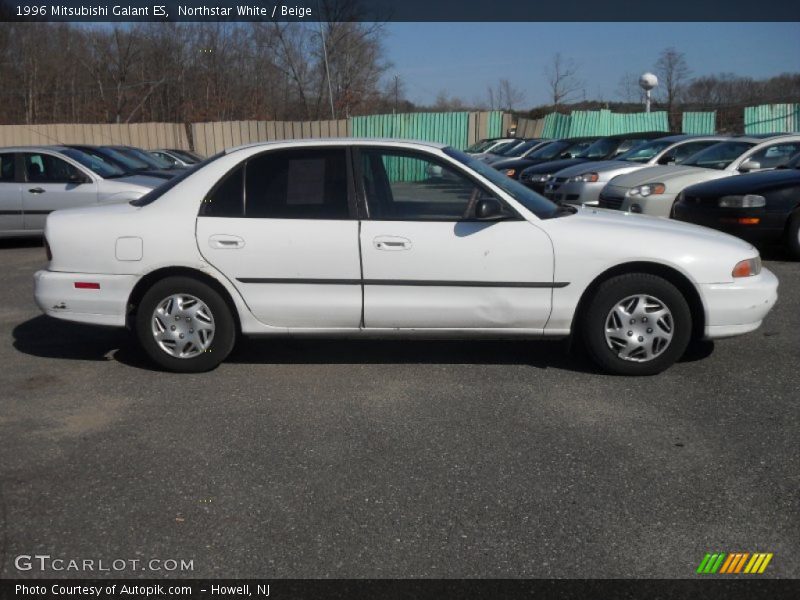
(615,290)
(220,345)
(793,235)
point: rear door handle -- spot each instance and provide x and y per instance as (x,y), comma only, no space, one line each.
(36,190)
(391,242)
(225,242)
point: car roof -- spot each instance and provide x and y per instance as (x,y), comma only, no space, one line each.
(760,138)
(338,142)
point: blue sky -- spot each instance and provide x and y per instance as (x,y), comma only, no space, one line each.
(462,59)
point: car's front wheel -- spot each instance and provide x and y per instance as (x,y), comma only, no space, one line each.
(184,325)
(637,324)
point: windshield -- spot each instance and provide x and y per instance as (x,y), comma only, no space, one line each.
(521,149)
(600,149)
(187,156)
(479,146)
(127,163)
(643,153)
(549,151)
(102,167)
(151,160)
(538,205)
(718,156)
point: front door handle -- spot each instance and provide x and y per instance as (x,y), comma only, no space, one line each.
(391,242)
(225,242)
(36,190)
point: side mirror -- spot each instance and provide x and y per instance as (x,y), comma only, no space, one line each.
(566,155)
(667,159)
(489,209)
(78,178)
(749,165)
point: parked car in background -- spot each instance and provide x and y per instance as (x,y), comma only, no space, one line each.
(604,148)
(490,144)
(34,181)
(130,164)
(150,159)
(554,150)
(181,158)
(582,183)
(653,190)
(278,239)
(759,207)
(522,149)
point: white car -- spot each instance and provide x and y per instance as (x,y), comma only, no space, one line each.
(349,237)
(653,191)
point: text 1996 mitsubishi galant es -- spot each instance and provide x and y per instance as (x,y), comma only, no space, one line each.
(355,237)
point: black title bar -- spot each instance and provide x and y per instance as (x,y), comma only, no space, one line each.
(388,589)
(396,10)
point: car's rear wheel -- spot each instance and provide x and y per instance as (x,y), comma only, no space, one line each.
(184,325)
(793,235)
(636,324)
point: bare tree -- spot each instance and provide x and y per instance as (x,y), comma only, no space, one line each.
(673,73)
(628,88)
(563,79)
(508,96)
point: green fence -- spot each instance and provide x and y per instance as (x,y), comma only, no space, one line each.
(772,118)
(699,123)
(447,128)
(583,123)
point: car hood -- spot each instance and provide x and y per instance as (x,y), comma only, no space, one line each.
(605,168)
(674,177)
(746,184)
(142,181)
(598,239)
(601,217)
(554,166)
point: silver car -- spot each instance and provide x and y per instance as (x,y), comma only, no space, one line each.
(582,183)
(35,181)
(177,158)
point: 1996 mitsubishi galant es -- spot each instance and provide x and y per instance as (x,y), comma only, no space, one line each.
(354,237)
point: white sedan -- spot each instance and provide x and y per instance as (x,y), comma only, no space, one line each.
(352,238)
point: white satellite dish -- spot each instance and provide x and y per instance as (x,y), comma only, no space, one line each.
(647,82)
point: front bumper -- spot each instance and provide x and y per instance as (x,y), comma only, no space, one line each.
(738,307)
(770,227)
(55,293)
(576,192)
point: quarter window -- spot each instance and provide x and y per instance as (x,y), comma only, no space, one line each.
(404,186)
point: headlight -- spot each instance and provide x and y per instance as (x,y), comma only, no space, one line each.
(747,268)
(541,178)
(746,201)
(510,172)
(586,177)
(648,189)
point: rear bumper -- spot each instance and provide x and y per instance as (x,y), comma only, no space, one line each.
(738,307)
(55,293)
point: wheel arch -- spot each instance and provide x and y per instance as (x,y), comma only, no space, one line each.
(146,282)
(674,276)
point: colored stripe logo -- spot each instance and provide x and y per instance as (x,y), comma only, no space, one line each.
(732,563)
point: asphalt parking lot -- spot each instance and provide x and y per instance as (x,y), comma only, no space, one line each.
(394,459)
